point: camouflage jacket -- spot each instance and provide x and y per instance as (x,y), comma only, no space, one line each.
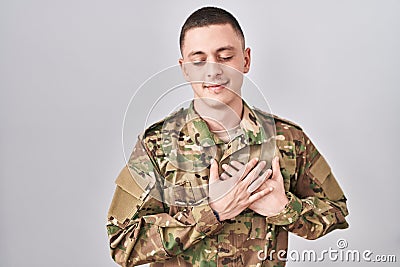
(159,213)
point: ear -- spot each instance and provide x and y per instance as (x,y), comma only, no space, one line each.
(183,68)
(247,60)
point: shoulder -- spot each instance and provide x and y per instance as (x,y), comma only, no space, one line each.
(167,127)
(283,123)
(283,127)
(279,121)
(172,121)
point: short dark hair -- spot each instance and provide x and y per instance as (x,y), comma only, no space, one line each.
(207,16)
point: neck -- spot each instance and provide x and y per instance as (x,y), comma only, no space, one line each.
(217,115)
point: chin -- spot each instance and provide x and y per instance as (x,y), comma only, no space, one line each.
(216,101)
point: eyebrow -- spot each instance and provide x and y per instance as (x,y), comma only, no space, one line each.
(221,49)
(228,47)
(194,53)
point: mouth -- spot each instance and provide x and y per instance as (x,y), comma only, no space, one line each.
(215,87)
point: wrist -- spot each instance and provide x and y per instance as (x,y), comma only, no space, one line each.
(289,214)
(282,204)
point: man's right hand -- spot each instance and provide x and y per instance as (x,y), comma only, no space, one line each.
(238,198)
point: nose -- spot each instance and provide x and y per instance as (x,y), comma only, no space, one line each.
(213,70)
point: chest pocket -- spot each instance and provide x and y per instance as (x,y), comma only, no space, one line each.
(286,150)
(248,224)
(258,228)
(184,188)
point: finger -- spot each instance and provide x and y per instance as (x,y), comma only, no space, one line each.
(262,193)
(236,164)
(254,173)
(243,172)
(259,181)
(224,176)
(229,169)
(275,168)
(268,174)
(214,177)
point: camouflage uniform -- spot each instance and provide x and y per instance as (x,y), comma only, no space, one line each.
(143,229)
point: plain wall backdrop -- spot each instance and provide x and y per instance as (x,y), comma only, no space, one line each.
(69,68)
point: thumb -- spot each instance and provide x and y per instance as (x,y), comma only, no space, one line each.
(214,176)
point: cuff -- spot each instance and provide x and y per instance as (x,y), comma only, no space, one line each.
(289,214)
(206,221)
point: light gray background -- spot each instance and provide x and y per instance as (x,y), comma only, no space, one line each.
(69,68)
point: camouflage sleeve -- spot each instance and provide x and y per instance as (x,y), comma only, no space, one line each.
(139,229)
(317,204)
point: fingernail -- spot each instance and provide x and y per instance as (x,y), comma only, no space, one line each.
(256,159)
(212,161)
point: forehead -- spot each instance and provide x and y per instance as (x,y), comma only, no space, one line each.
(208,39)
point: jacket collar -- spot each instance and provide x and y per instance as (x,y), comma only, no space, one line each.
(252,131)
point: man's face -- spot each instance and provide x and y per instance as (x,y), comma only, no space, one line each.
(214,61)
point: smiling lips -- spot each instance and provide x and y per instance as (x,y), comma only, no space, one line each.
(215,87)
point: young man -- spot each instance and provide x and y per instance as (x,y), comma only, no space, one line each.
(196,191)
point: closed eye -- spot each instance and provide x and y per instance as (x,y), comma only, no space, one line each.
(225,58)
(198,63)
